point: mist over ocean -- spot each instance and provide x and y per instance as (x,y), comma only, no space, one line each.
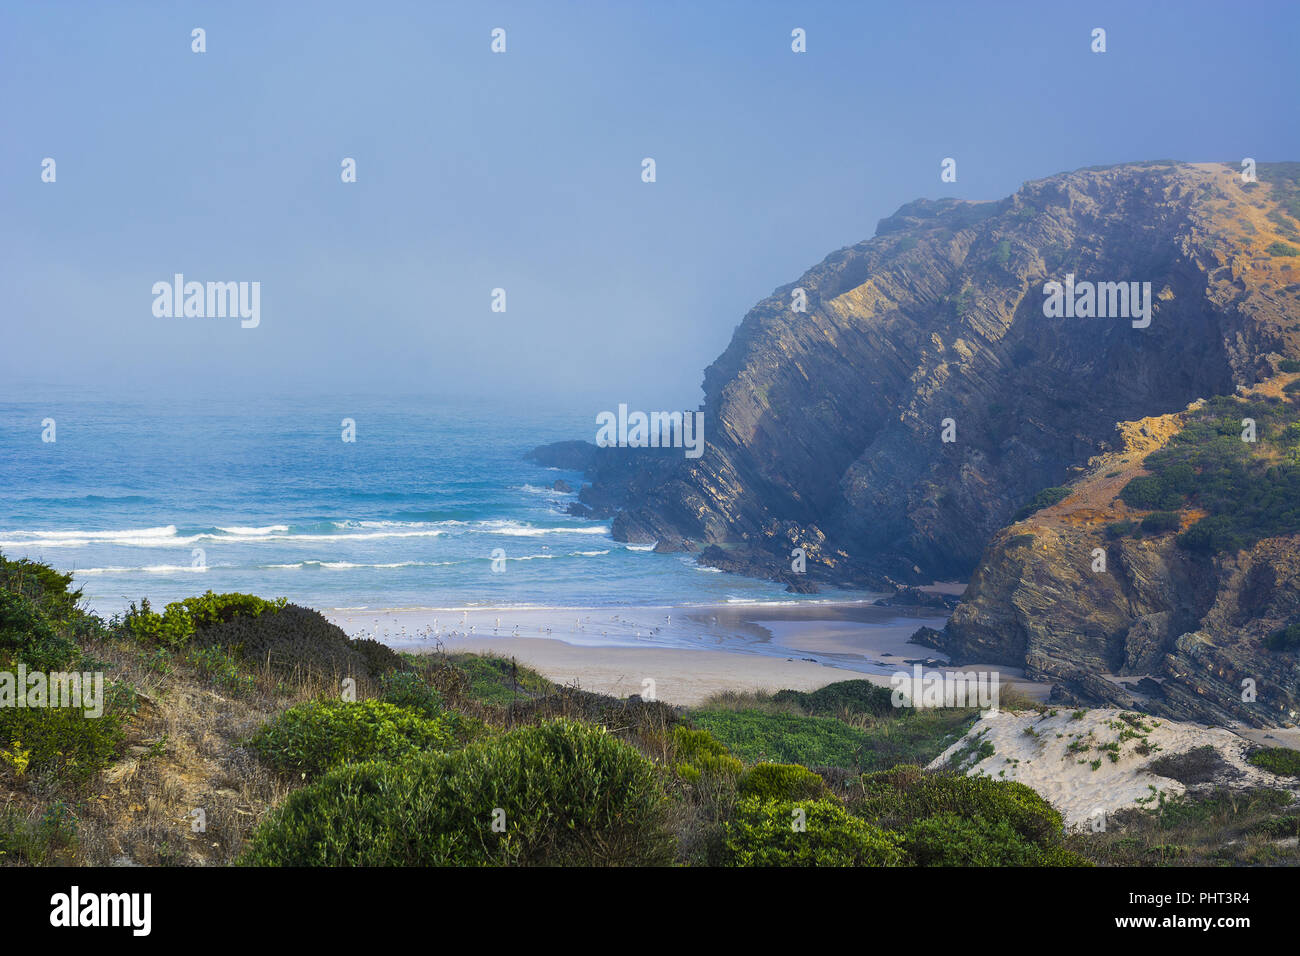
(408,515)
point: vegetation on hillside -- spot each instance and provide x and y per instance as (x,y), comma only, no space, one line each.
(1248,490)
(241,730)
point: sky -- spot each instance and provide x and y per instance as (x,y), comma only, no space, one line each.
(522,170)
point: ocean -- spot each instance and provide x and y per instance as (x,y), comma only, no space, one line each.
(140,499)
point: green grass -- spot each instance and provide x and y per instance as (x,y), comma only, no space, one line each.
(904,735)
(757,737)
(496,680)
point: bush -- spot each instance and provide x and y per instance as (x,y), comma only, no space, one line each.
(950,839)
(700,756)
(1044,499)
(63,742)
(1159,522)
(28,634)
(1191,767)
(176,626)
(1287,639)
(561,792)
(42,584)
(299,642)
(764,833)
(842,697)
(897,798)
(1288,366)
(1150,492)
(1278,760)
(314,737)
(409,690)
(781,781)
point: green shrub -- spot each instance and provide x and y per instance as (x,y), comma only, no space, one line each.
(1281,249)
(311,738)
(1288,366)
(44,585)
(1279,760)
(1248,490)
(562,793)
(410,690)
(766,833)
(897,798)
(781,781)
(951,839)
(64,743)
(28,634)
(1159,522)
(1286,639)
(177,624)
(841,697)
(1149,492)
(300,643)
(700,756)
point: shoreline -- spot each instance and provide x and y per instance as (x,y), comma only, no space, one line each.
(689,653)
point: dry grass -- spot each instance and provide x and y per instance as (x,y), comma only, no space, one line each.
(184,751)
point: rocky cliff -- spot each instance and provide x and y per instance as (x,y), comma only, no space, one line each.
(1131,606)
(825,427)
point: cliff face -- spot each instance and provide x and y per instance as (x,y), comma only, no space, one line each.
(1124,620)
(824,427)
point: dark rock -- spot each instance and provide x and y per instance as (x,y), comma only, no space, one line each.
(562,486)
(913,597)
(830,419)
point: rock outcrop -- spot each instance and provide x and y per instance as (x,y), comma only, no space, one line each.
(1136,621)
(890,432)
(824,427)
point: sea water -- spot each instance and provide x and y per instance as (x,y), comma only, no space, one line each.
(165,499)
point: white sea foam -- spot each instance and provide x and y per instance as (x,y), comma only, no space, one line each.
(148,569)
(517,530)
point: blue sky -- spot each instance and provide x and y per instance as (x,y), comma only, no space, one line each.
(522,170)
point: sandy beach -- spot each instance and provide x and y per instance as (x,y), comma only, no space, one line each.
(688,653)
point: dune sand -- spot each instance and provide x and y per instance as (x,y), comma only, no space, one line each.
(1068,780)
